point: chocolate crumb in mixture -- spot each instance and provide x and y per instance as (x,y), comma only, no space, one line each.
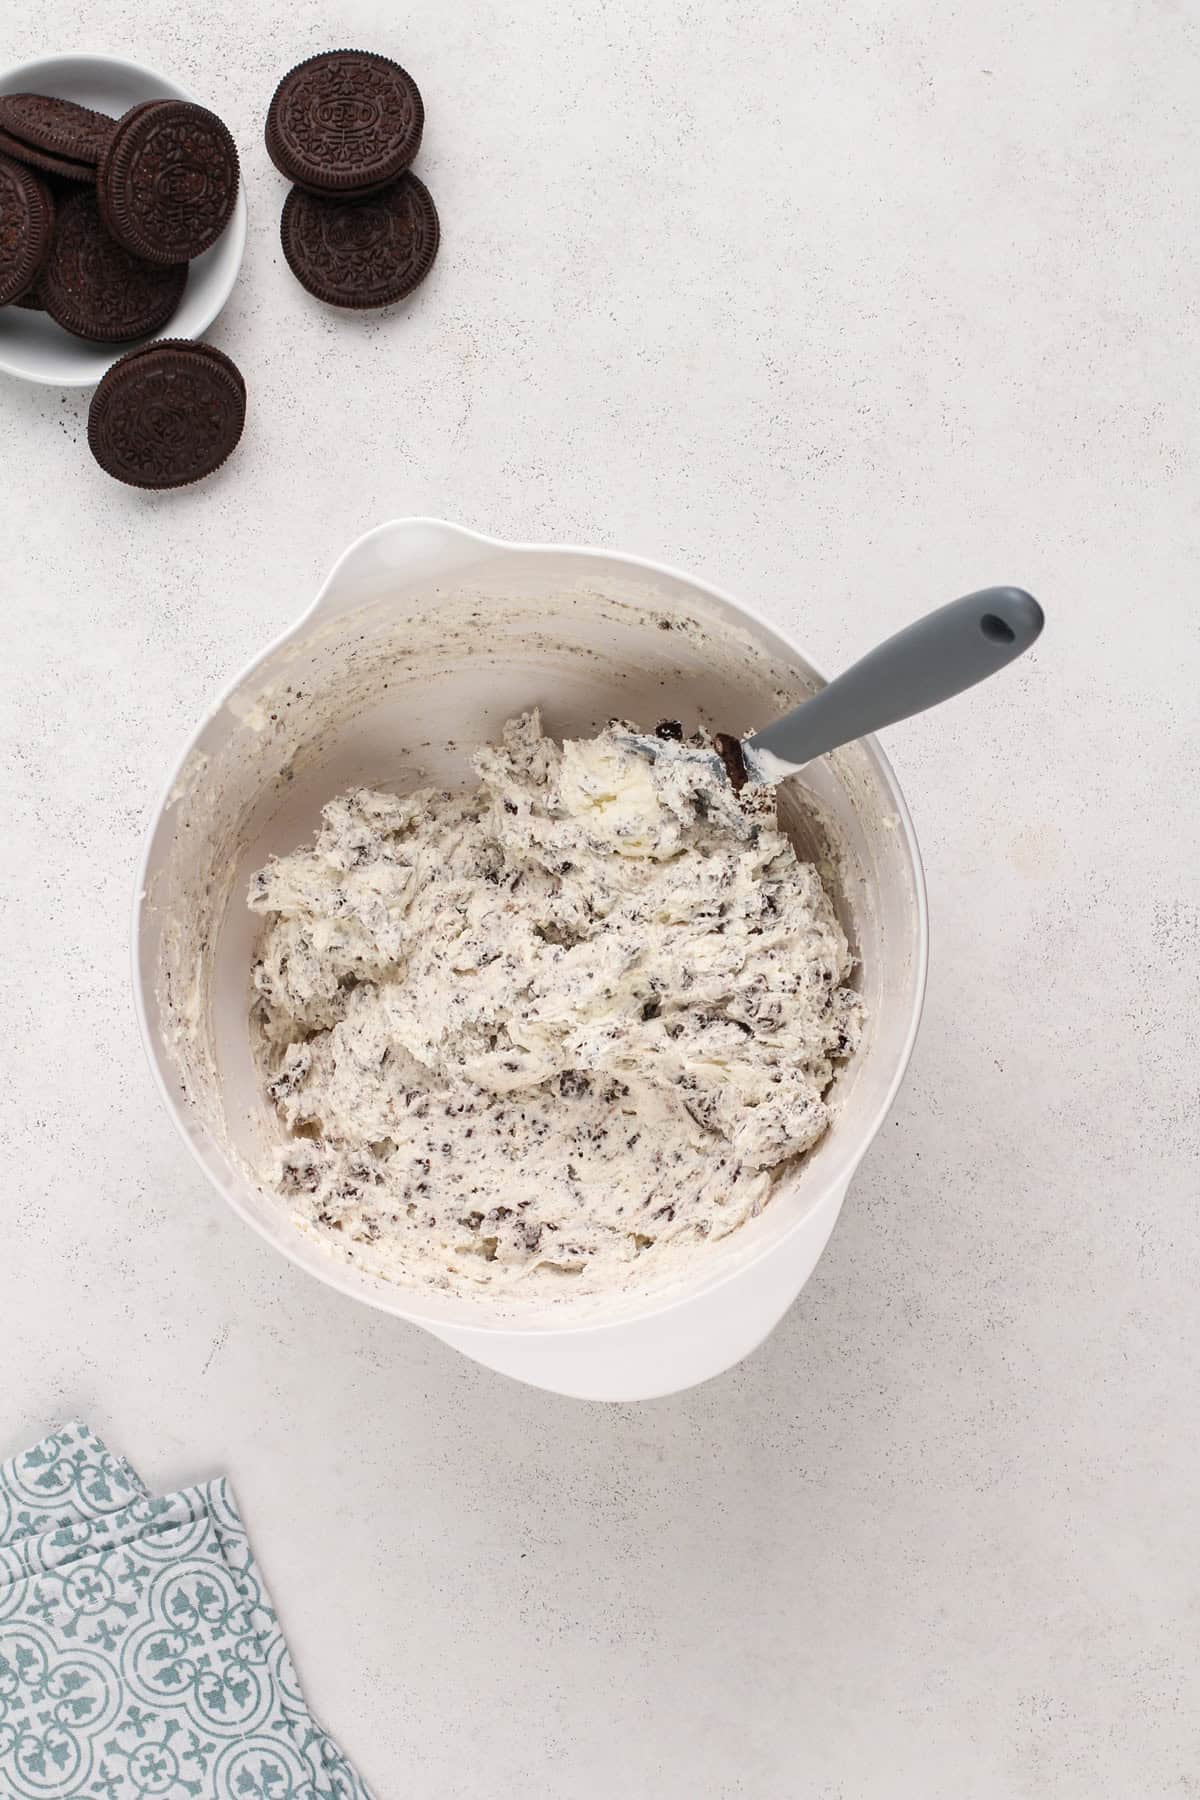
(730,751)
(622,993)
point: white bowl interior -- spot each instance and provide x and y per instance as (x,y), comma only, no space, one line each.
(391,681)
(32,346)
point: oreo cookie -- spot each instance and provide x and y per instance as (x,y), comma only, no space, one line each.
(47,162)
(168,181)
(94,288)
(26,229)
(347,122)
(167,414)
(362,252)
(59,127)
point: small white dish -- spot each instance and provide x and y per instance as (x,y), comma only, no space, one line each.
(32,346)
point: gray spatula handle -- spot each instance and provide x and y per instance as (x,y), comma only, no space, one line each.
(943,653)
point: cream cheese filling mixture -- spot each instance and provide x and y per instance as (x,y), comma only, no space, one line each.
(562,1028)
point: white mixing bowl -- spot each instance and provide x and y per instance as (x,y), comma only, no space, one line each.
(424,639)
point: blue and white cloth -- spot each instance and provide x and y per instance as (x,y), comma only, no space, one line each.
(140,1658)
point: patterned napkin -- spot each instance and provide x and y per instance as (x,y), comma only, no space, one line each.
(140,1658)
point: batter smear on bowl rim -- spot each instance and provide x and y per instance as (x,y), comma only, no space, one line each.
(564,1027)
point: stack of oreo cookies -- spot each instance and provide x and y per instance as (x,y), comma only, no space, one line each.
(100,217)
(359,229)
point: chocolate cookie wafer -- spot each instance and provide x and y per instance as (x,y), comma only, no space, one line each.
(361,253)
(168,180)
(346,122)
(58,126)
(167,414)
(47,162)
(26,229)
(94,288)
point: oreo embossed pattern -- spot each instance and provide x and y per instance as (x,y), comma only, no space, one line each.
(168,181)
(139,1651)
(167,414)
(93,287)
(361,253)
(358,228)
(345,122)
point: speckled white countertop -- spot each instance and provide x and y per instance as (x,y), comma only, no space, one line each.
(851,308)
